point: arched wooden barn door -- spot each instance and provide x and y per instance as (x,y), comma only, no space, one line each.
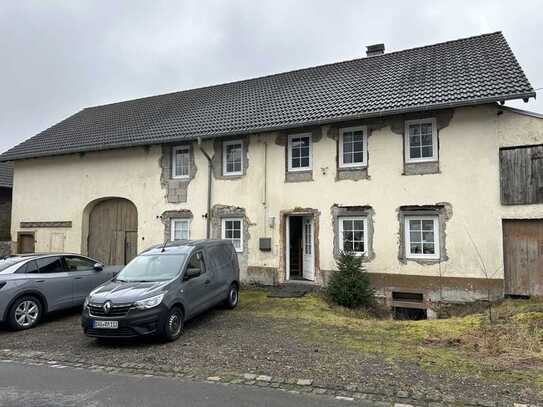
(113,231)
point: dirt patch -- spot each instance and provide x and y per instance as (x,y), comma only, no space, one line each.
(309,338)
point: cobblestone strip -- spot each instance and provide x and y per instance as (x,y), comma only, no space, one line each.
(352,393)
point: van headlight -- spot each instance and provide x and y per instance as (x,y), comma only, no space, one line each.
(149,302)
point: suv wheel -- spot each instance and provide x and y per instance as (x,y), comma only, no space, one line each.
(173,325)
(233,297)
(25,313)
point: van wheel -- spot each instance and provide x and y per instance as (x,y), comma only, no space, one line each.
(25,313)
(172,327)
(232,300)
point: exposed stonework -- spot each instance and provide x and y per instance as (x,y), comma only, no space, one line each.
(431,167)
(437,289)
(47,224)
(281,139)
(167,217)
(5,248)
(332,132)
(444,212)
(261,275)
(176,189)
(218,213)
(338,211)
(397,125)
(298,176)
(218,167)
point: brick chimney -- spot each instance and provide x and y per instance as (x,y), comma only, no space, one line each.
(376,49)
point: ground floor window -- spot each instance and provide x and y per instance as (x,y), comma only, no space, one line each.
(422,237)
(353,236)
(232,229)
(180,229)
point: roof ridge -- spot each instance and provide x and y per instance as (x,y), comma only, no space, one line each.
(295,70)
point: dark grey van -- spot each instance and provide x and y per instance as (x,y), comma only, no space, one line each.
(163,287)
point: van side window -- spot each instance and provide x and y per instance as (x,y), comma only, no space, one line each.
(197,262)
(31,267)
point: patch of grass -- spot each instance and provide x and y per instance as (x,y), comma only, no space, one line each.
(509,349)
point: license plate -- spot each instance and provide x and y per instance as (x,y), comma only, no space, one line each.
(106,324)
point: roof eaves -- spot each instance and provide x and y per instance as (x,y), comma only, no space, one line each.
(294,125)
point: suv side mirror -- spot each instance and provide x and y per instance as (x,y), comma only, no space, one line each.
(191,273)
(98,267)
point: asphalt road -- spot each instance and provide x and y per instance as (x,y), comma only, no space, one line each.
(32,386)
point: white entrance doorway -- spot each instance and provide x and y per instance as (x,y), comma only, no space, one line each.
(300,247)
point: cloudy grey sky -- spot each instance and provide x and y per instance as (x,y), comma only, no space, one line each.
(61,56)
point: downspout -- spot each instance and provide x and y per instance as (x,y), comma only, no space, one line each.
(209,179)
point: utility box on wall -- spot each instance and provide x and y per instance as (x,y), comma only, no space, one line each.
(264,244)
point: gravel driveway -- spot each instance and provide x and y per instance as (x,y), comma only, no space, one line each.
(244,341)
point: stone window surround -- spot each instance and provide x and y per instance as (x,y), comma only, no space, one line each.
(443,211)
(354,211)
(175,149)
(353,166)
(341,242)
(218,157)
(172,226)
(237,142)
(168,216)
(309,168)
(175,188)
(407,236)
(223,230)
(435,141)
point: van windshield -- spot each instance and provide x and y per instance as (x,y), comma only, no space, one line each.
(152,268)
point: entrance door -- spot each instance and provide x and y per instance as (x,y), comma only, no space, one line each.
(113,226)
(26,243)
(308,249)
(523,257)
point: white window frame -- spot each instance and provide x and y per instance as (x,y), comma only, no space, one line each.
(224,156)
(223,232)
(289,155)
(172,226)
(340,233)
(407,238)
(364,162)
(407,145)
(174,157)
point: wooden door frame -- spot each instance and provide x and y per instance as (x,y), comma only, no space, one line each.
(286,240)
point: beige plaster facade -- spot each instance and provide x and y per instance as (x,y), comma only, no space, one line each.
(60,188)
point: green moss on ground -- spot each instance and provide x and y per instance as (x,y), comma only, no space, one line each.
(510,349)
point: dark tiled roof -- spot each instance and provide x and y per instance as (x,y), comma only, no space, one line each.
(473,70)
(6,175)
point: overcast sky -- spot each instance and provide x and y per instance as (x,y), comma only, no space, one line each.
(58,57)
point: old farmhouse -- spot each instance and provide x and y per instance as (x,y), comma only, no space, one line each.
(407,158)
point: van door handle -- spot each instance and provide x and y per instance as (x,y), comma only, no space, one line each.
(78,278)
(40,281)
(207,281)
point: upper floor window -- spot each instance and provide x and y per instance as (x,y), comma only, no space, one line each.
(353,235)
(232,155)
(232,229)
(420,140)
(180,229)
(181,162)
(299,152)
(353,147)
(422,237)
